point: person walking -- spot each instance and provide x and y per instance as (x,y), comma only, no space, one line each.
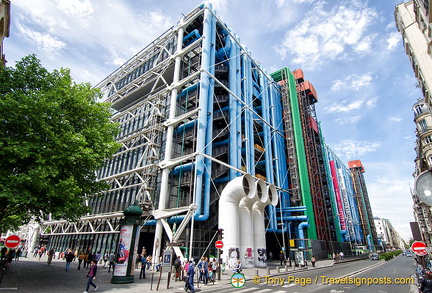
(143,260)
(177,267)
(281,257)
(81,258)
(91,276)
(105,259)
(190,274)
(112,258)
(10,256)
(313,260)
(51,254)
(69,258)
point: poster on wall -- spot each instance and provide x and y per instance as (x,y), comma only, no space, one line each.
(123,251)
(132,268)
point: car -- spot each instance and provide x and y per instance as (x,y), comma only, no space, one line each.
(374,256)
(409,254)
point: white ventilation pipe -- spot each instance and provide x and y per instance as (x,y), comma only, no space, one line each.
(232,194)
(270,197)
(247,249)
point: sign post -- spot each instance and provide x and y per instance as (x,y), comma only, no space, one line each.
(12,241)
(219,246)
(419,248)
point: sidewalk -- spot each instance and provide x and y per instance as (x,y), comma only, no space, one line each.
(29,275)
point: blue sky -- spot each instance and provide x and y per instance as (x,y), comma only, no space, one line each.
(350,50)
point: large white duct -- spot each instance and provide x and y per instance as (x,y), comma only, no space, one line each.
(269,197)
(247,249)
(232,194)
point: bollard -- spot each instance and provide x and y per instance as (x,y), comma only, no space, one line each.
(169,279)
(286,268)
(268,271)
(256,273)
(278,269)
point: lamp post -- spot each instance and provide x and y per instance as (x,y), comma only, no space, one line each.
(127,245)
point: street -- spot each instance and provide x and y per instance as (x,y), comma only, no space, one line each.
(29,275)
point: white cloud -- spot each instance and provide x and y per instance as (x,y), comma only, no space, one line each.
(78,8)
(355,149)
(352,82)
(329,32)
(45,42)
(344,106)
(396,119)
(371,103)
(347,120)
(393,40)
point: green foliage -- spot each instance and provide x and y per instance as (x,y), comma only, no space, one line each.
(54,136)
(389,255)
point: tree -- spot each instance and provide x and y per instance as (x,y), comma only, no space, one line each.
(54,136)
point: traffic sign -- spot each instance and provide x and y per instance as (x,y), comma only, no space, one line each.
(219,244)
(12,241)
(419,248)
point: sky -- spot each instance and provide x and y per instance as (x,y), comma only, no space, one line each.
(349,50)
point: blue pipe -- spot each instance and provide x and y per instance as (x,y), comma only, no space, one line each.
(247,79)
(182,168)
(237,62)
(369,242)
(224,52)
(209,134)
(194,35)
(188,90)
(294,218)
(186,126)
(220,143)
(301,233)
(233,155)
(202,213)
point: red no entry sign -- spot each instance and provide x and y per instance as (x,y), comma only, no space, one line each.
(219,244)
(12,241)
(419,248)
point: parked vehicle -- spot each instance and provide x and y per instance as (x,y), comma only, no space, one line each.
(374,256)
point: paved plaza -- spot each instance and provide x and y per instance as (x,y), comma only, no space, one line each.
(30,275)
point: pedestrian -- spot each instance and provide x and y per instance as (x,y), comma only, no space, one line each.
(313,260)
(137,261)
(426,283)
(18,254)
(81,258)
(190,277)
(201,270)
(143,266)
(341,255)
(97,256)
(238,268)
(105,258)
(177,267)
(35,251)
(51,254)
(91,276)
(281,257)
(89,258)
(149,261)
(69,258)
(206,270)
(10,256)
(112,259)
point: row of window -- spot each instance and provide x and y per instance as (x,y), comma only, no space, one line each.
(158,57)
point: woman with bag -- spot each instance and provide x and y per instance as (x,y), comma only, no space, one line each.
(91,276)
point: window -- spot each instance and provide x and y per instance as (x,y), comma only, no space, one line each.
(428,139)
(418,109)
(422,125)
